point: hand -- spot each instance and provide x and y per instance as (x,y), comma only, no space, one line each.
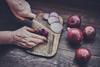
(21,9)
(25,38)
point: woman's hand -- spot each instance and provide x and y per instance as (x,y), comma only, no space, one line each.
(21,9)
(25,38)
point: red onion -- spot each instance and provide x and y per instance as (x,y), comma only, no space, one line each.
(82,55)
(74,21)
(42,32)
(89,32)
(74,35)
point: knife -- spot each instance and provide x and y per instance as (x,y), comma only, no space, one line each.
(27,23)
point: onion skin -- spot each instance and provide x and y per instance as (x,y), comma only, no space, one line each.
(82,55)
(74,21)
(74,35)
(89,33)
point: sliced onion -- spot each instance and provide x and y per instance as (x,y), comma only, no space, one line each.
(46,16)
(54,14)
(56,27)
(53,20)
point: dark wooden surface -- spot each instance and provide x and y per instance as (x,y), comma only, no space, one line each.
(13,56)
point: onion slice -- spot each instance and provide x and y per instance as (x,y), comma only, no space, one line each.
(54,14)
(56,27)
(53,20)
(46,16)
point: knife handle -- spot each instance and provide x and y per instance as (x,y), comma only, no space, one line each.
(28,23)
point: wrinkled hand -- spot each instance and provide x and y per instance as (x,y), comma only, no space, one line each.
(21,9)
(25,38)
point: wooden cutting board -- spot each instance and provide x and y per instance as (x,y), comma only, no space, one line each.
(49,48)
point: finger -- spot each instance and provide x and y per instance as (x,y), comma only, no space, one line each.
(31,15)
(37,41)
(26,45)
(21,44)
(31,30)
(38,36)
(34,40)
(17,16)
(35,35)
(28,29)
(31,44)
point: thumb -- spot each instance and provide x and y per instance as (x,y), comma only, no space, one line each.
(31,15)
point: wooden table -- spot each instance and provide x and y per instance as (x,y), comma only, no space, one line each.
(13,56)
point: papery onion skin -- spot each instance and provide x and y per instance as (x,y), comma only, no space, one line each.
(74,35)
(82,55)
(74,21)
(89,32)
